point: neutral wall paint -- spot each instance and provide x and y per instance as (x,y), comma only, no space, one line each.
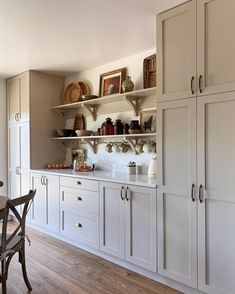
(114,160)
(3,137)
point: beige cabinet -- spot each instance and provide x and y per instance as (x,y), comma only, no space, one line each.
(128,223)
(18,159)
(45,208)
(216,205)
(196,35)
(196,204)
(176,207)
(18,98)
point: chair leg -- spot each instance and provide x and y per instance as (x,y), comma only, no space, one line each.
(4,278)
(22,261)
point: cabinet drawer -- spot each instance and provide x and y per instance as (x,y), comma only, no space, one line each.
(79,183)
(87,201)
(80,227)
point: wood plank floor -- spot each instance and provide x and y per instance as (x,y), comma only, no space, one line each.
(56,267)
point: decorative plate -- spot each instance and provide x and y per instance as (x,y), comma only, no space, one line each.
(72,93)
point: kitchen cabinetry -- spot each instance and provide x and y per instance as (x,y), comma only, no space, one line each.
(177,212)
(18,98)
(45,207)
(29,145)
(128,223)
(18,159)
(196,197)
(79,210)
(195,45)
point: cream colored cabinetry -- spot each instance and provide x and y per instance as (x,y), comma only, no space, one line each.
(29,142)
(45,207)
(18,159)
(18,98)
(79,210)
(181,50)
(177,212)
(128,223)
(196,204)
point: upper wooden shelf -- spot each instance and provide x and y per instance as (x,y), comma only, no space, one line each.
(92,105)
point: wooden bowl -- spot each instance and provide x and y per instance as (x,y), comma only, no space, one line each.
(83,133)
(133,132)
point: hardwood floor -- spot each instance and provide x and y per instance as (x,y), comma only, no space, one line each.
(56,267)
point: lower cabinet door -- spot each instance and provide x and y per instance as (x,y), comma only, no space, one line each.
(141,226)
(112,219)
(38,211)
(80,227)
(52,203)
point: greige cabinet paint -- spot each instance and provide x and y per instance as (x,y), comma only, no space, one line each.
(177,213)
(195,46)
(128,223)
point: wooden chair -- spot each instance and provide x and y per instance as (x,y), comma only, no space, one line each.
(14,242)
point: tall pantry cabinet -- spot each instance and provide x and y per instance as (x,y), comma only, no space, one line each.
(196,139)
(29,96)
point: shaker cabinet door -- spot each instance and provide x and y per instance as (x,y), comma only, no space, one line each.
(13,99)
(216,46)
(176,210)
(112,220)
(24,96)
(176,52)
(216,210)
(141,228)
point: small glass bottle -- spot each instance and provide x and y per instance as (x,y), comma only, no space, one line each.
(109,126)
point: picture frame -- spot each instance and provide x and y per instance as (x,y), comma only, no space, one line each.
(111,82)
(148,120)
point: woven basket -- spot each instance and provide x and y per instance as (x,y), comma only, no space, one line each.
(150,77)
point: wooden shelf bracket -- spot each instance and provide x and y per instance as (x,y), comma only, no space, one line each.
(92,109)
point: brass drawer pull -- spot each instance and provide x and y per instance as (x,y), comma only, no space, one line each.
(79,198)
(78,183)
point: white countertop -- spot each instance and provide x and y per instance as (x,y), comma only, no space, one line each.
(107,176)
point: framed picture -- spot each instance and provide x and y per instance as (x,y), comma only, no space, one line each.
(148,120)
(111,82)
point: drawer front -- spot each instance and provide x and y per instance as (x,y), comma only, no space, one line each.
(80,227)
(79,183)
(86,201)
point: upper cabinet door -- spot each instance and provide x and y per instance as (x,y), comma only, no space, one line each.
(176,203)
(216,46)
(24,96)
(176,51)
(13,99)
(216,210)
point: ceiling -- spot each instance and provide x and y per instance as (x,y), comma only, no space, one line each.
(67,36)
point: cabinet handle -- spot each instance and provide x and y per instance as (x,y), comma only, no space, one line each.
(42,180)
(18,116)
(200,83)
(45,180)
(201,193)
(121,193)
(15,116)
(78,183)
(127,189)
(79,198)
(193,192)
(192,80)
(78,225)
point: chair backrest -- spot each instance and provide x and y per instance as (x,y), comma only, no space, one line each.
(1,183)
(11,205)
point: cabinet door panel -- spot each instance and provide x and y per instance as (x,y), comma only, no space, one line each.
(24,96)
(13,99)
(216,45)
(216,172)
(177,221)
(176,49)
(52,202)
(141,227)
(38,211)
(112,216)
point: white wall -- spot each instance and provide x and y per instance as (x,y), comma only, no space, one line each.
(3,137)
(114,160)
